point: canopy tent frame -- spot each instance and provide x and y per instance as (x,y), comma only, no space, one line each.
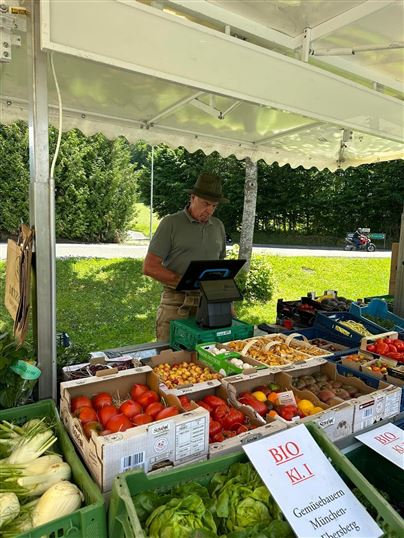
(249,75)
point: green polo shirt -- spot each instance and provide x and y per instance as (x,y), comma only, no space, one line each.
(180,239)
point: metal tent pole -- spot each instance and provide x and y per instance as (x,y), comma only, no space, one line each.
(151,192)
(42,210)
(399,291)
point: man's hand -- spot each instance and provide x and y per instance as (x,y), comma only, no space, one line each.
(153,267)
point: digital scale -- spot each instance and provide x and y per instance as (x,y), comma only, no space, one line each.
(215,280)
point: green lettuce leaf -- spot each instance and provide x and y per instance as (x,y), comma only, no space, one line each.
(179,518)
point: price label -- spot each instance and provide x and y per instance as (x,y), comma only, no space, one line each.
(313,497)
(388,441)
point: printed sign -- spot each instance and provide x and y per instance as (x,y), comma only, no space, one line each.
(388,441)
(313,497)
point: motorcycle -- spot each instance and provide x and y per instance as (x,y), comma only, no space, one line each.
(365,243)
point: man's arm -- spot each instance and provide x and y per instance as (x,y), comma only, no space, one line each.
(153,267)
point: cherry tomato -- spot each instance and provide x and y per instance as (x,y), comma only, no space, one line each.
(101,400)
(141,419)
(107,412)
(130,408)
(137,390)
(80,401)
(119,423)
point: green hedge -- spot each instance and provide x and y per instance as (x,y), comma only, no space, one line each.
(95,184)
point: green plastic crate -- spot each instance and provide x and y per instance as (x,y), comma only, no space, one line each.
(124,523)
(355,471)
(381,473)
(88,521)
(186,334)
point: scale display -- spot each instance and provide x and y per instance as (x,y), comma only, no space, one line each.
(206,270)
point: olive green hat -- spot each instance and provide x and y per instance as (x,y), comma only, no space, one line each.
(209,187)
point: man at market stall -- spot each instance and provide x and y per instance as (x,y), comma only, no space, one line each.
(190,234)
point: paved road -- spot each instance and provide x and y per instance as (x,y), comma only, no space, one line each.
(111,250)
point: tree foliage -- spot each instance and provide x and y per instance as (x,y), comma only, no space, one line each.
(95,183)
(289,199)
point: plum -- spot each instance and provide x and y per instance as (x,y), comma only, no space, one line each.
(325,395)
(342,393)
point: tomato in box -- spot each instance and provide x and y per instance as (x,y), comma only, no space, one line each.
(130,408)
(141,419)
(214,401)
(137,390)
(86,414)
(119,423)
(101,400)
(107,412)
(80,401)
(167,412)
(220,412)
(147,398)
(154,409)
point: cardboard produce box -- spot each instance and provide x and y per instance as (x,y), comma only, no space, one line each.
(336,420)
(177,357)
(234,444)
(372,405)
(168,442)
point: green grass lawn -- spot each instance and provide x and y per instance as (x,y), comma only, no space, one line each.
(109,303)
(141,221)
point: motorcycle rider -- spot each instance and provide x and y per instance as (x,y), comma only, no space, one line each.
(356,238)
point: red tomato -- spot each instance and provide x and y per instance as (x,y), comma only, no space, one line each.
(203,404)
(214,401)
(154,409)
(233,420)
(86,414)
(141,419)
(241,429)
(185,403)
(227,434)
(381,348)
(119,423)
(392,349)
(396,356)
(137,390)
(107,412)
(371,348)
(167,412)
(214,427)
(130,408)
(102,399)
(220,412)
(92,426)
(147,398)
(80,401)
(218,438)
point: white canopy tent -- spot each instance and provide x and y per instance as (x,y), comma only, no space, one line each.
(304,82)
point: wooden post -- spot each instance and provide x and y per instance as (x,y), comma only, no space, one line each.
(393,268)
